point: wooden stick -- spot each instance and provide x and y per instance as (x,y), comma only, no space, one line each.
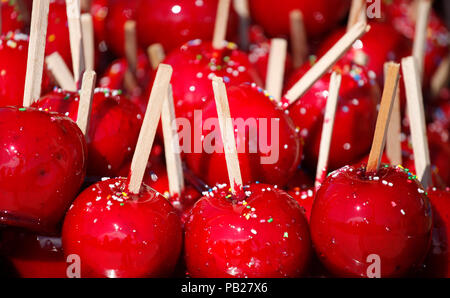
(357,13)
(276,67)
(327,61)
(149,126)
(441,77)
(420,38)
(387,102)
(76,38)
(327,130)
(220,29)
(87,28)
(417,121)
(60,72)
(86,97)
(242,9)
(299,38)
(393,137)
(131,46)
(227,131)
(172,146)
(156,54)
(36,52)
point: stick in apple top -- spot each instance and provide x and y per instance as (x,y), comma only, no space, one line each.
(220,29)
(86,97)
(357,13)
(327,61)
(156,54)
(227,132)
(327,130)
(387,102)
(149,126)
(441,77)
(76,38)
(393,137)
(131,47)
(87,29)
(299,39)
(414,97)
(276,67)
(420,38)
(172,146)
(60,72)
(36,52)
(242,9)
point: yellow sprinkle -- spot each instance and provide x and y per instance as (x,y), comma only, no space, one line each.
(51,38)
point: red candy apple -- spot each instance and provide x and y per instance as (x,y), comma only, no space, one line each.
(265,123)
(175,22)
(42,166)
(113,130)
(32,255)
(195,64)
(119,234)
(358,99)
(319,16)
(13,66)
(438,260)
(358,215)
(260,233)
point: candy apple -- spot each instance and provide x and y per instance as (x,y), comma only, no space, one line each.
(119,234)
(42,166)
(259,233)
(360,217)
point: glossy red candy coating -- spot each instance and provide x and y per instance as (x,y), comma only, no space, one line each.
(113,130)
(10,16)
(42,166)
(305,198)
(195,63)
(109,18)
(13,67)
(32,255)
(320,16)
(58,32)
(253,105)
(118,234)
(394,47)
(262,234)
(438,260)
(358,99)
(356,215)
(175,22)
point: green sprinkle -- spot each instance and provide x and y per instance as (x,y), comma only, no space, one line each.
(286,235)
(22,109)
(122,204)
(226,58)
(270,220)
(199,57)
